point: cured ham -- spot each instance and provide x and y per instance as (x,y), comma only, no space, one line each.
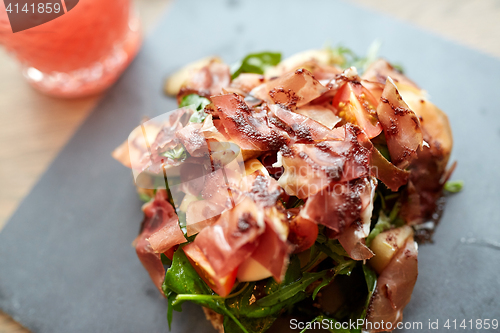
(300,128)
(207,81)
(320,113)
(169,233)
(294,89)
(234,237)
(339,206)
(193,140)
(353,239)
(159,219)
(303,232)
(309,168)
(246,82)
(272,253)
(392,176)
(394,288)
(401,126)
(247,129)
(380,70)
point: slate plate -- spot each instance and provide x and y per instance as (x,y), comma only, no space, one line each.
(66,264)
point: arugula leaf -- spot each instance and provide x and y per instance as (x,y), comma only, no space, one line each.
(346,58)
(177,153)
(181,277)
(454,186)
(371,283)
(292,289)
(343,56)
(370,278)
(195,100)
(182,283)
(384,150)
(171,307)
(198,103)
(395,211)
(382,225)
(144,197)
(245,304)
(256,63)
(398,67)
(334,250)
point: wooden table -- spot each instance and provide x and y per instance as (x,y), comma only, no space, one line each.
(35,127)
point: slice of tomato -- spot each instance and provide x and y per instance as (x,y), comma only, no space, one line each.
(170,252)
(355,104)
(222,285)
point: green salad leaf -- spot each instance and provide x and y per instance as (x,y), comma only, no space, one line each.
(182,283)
(144,197)
(198,103)
(256,63)
(346,58)
(382,225)
(177,153)
(454,186)
(371,283)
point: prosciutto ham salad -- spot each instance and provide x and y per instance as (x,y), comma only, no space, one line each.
(293,188)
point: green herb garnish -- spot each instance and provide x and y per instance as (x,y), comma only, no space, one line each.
(256,63)
(197,103)
(454,186)
(346,58)
(144,197)
(382,225)
(177,153)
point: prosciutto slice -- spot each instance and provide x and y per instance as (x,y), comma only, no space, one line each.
(380,70)
(300,128)
(272,253)
(193,140)
(392,176)
(147,142)
(234,237)
(309,168)
(353,238)
(264,190)
(246,128)
(294,89)
(159,218)
(320,113)
(394,287)
(246,82)
(336,207)
(207,81)
(169,233)
(303,232)
(401,126)
(201,214)
(346,210)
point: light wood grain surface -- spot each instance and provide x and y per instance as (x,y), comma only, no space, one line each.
(35,127)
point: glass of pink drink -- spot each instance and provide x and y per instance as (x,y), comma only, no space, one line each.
(79,53)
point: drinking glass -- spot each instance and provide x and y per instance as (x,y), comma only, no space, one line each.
(81,52)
